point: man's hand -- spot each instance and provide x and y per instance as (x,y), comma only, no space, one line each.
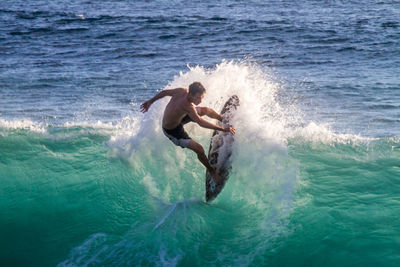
(230,129)
(145,106)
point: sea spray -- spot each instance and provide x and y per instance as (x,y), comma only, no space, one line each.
(264,176)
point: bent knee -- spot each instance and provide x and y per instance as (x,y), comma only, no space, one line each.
(202,111)
(207,111)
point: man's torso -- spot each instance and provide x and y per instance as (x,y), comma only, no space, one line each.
(176,110)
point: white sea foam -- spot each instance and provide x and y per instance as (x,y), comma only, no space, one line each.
(260,113)
(264,174)
(25,124)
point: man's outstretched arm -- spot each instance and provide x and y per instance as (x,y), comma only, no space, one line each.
(146,105)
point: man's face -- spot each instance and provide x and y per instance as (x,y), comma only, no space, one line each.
(197,98)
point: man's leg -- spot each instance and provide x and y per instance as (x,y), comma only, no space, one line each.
(199,150)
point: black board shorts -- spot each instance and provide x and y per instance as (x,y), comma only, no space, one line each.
(178,135)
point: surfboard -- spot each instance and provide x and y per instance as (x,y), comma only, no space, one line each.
(219,154)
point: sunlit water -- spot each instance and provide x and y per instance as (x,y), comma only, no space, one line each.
(87,180)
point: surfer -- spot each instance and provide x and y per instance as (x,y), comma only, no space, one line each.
(181,110)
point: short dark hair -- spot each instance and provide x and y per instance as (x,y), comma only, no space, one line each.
(196,87)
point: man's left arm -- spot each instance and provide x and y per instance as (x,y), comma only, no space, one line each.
(209,112)
(203,123)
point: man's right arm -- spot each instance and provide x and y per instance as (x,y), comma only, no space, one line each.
(168,92)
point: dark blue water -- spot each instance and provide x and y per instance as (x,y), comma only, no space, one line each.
(316,165)
(89,59)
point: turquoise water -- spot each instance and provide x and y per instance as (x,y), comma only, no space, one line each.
(87,180)
(66,198)
(120,194)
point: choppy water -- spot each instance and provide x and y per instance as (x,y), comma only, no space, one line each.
(86,180)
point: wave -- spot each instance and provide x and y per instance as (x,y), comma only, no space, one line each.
(262,186)
(25,124)
(153,191)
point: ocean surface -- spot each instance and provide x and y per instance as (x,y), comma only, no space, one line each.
(88,180)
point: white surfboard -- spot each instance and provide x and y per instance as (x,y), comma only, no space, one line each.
(219,154)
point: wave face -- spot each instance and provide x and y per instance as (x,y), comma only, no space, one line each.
(122,194)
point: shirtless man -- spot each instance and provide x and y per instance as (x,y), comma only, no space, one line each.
(179,111)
